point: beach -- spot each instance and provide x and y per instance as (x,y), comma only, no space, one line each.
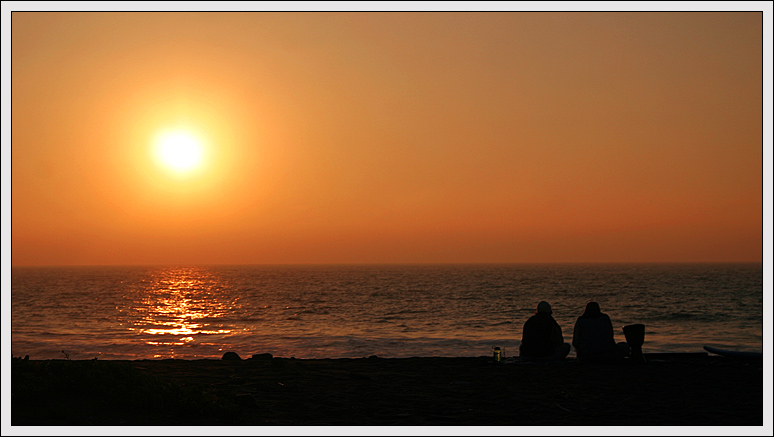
(667,390)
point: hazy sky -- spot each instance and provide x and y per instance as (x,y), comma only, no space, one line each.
(388,137)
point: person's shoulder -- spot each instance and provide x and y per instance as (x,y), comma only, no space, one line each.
(587,320)
(536,318)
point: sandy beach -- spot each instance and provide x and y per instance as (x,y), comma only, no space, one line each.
(673,390)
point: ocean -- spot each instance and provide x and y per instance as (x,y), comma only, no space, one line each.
(352,311)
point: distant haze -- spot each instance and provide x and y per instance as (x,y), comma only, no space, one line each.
(388,137)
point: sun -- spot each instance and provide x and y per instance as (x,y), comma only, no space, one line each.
(179,150)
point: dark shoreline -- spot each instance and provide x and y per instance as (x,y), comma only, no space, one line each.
(668,390)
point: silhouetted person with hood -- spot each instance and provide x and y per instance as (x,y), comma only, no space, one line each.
(593,337)
(542,337)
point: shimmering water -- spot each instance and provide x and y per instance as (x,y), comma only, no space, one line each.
(358,311)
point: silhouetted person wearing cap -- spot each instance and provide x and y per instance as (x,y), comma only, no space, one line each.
(593,337)
(542,337)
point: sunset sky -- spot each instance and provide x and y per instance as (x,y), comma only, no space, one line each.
(385,137)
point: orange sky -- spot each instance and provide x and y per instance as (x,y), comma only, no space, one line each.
(388,137)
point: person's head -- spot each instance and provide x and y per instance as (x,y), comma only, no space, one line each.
(592,309)
(543,308)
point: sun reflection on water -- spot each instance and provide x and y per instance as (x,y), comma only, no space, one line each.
(181,308)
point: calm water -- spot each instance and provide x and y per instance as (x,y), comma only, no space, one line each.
(358,311)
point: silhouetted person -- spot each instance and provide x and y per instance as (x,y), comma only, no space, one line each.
(593,337)
(542,337)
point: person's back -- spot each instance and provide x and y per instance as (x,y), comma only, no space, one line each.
(593,334)
(538,339)
(542,336)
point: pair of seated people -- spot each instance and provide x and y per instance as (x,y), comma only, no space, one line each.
(593,337)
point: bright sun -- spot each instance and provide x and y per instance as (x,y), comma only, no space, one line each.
(179,150)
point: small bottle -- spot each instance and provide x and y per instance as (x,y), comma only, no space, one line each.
(498,354)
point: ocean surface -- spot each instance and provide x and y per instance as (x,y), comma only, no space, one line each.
(358,311)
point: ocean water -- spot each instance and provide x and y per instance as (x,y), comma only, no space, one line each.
(359,311)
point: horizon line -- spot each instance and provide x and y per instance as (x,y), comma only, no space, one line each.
(342,264)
